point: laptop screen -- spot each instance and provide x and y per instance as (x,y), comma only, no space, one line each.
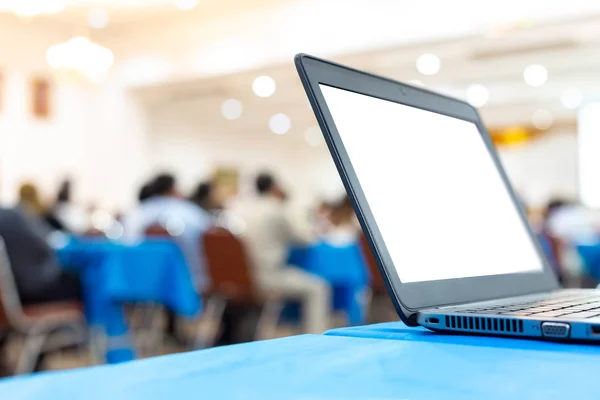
(436,195)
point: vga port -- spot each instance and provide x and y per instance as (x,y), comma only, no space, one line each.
(555,329)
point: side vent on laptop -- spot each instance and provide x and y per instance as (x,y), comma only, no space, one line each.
(484,324)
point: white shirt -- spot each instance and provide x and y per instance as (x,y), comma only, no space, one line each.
(269,234)
(341,236)
(574,224)
(74,218)
(184,220)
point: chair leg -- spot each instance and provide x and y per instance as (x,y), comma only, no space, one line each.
(97,345)
(151,334)
(366,301)
(31,352)
(268,320)
(210,323)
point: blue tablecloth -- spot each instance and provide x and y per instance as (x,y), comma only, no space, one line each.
(336,367)
(344,268)
(112,274)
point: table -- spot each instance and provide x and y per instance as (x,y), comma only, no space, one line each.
(153,271)
(336,367)
(344,268)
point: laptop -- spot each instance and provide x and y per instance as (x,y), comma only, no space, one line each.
(442,220)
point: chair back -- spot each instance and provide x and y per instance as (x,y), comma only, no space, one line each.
(11,310)
(228,266)
(157,230)
(94,233)
(377,283)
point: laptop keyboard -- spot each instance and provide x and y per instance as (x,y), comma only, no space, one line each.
(572,306)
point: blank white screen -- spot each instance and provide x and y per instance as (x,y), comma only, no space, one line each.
(435,193)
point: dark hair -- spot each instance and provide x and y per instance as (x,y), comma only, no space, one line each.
(555,205)
(201,195)
(64,192)
(163,184)
(146,192)
(341,211)
(344,202)
(264,183)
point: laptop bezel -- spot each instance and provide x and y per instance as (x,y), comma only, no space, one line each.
(411,297)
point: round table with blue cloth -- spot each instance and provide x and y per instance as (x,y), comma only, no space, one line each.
(344,268)
(153,271)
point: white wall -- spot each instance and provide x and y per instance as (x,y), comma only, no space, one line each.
(544,168)
(539,170)
(30,149)
(191,148)
(95,134)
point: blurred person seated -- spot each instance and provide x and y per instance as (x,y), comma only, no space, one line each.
(184,220)
(205,197)
(69,215)
(30,203)
(29,200)
(269,234)
(567,224)
(571,221)
(342,228)
(319,217)
(36,269)
(146,192)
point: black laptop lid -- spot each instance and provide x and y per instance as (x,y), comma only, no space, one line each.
(429,190)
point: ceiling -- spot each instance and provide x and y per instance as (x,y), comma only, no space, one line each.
(490,45)
(568,49)
(128,13)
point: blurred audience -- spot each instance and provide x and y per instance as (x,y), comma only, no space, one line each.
(342,228)
(269,234)
(32,205)
(567,224)
(29,200)
(36,269)
(571,221)
(163,205)
(205,197)
(145,192)
(70,216)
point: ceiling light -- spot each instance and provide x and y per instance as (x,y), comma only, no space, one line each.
(535,75)
(428,64)
(280,124)
(477,95)
(313,136)
(186,4)
(231,109)
(571,98)
(81,55)
(264,86)
(98,18)
(542,119)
